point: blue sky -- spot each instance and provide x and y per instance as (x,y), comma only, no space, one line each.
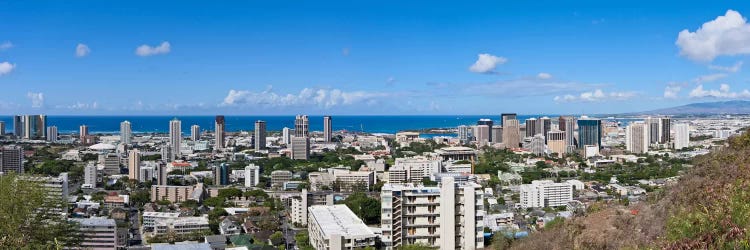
(362,57)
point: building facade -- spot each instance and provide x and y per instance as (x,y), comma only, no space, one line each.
(545,193)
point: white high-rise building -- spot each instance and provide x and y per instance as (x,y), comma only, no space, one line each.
(134,165)
(286,136)
(219,127)
(126,132)
(464,134)
(448,217)
(546,193)
(90,175)
(327,129)
(83,133)
(52,134)
(681,135)
(195,132)
(413,170)
(175,136)
(483,135)
(637,137)
(301,126)
(252,175)
(260,135)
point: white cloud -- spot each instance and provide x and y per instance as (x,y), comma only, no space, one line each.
(145,50)
(322,98)
(731,69)
(487,63)
(37,99)
(82,50)
(709,78)
(722,92)
(726,35)
(6,45)
(544,76)
(595,96)
(80,106)
(672,90)
(6,68)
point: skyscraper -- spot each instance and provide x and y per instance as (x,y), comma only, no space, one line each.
(126,132)
(487,122)
(300,148)
(681,135)
(589,132)
(636,137)
(286,136)
(260,135)
(18,126)
(83,133)
(301,126)
(497,134)
(52,134)
(134,165)
(652,124)
(532,127)
(11,159)
(568,125)
(327,129)
(665,126)
(545,125)
(507,116)
(195,132)
(175,136)
(221,174)
(219,127)
(2,128)
(556,142)
(511,136)
(483,135)
(252,175)
(162,177)
(463,134)
(30,126)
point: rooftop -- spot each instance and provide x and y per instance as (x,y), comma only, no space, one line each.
(339,220)
(95,221)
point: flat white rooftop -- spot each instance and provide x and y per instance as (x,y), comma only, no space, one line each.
(339,220)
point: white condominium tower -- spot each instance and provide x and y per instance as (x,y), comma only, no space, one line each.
(175,136)
(219,127)
(195,132)
(327,129)
(126,132)
(301,126)
(449,216)
(637,137)
(681,135)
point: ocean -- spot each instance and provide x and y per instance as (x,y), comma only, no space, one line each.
(160,124)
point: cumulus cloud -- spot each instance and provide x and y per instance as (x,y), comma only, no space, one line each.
(726,35)
(82,50)
(322,98)
(6,68)
(146,50)
(672,90)
(723,92)
(595,96)
(731,69)
(37,99)
(544,76)
(487,63)
(709,78)
(6,45)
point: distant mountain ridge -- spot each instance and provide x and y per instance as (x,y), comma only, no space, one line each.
(703,108)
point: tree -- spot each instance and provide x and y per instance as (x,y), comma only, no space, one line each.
(417,247)
(31,219)
(303,240)
(214,202)
(229,193)
(277,238)
(365,207)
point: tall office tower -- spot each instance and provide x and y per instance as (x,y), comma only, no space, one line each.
(507,116)
(260,135)
(162,178)
(483,135)
(545,193)
(568,125)
(134,165)
(652,124)
(11,159)
(175,136)
(327,128)
(681,135)
(300,148)
(2,128)
(511,136)
(489,123)
(556,142)
(637,137)
(18,127)
(195,132)
(497,134)
(219,127)
(464,134)
(90,175)
(52,134)
(126,132)
(31,126)
(301,126)
(445,216)
(252,175)
(589,132)
(111,162)
(545,125)
(532,127)
(665,126)
(286,136)
(83,133)
(221,174)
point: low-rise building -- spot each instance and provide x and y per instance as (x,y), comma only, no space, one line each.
(177,194)
(97,233)
(337,227)
(545,193)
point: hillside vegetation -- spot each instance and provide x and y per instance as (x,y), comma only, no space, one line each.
(709,208)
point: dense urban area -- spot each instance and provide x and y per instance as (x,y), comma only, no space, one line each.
(497,184)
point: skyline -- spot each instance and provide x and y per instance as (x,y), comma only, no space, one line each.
(343,58)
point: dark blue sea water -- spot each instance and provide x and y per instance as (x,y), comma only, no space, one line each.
(160,124)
